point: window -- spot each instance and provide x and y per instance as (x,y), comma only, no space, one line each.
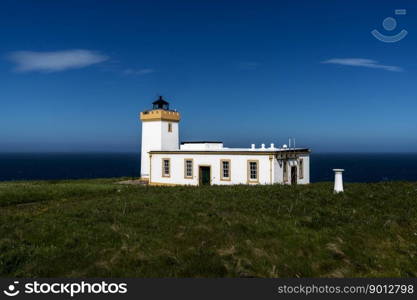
(169,127)
(285,171)
(165,167)
(253,170)
(301,168)
(188,168)
(225,169)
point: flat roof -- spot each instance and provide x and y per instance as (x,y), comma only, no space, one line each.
(247,151)
(202,142)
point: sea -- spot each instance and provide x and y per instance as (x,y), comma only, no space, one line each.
(359,167)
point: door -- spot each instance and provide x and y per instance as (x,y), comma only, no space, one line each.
(293,175)
(204,175)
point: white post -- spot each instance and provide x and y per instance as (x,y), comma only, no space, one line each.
(338,180)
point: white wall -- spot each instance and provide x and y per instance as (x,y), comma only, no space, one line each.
(306,162)
(155,136)
(238,167)
(278,175)
(201,146)
(170,140)
(279,170)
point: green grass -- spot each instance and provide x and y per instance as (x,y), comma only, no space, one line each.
(96,228)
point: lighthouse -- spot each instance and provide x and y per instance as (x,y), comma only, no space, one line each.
(160,132)
(166,161)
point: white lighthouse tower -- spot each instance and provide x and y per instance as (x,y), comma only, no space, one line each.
(160,132)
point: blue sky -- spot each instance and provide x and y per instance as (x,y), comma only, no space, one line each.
(75,74)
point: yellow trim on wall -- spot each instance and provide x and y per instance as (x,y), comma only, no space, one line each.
(249,180)
(185,168)
(163,184)
(160,115)
(221,170)
(150,168)
(163,167)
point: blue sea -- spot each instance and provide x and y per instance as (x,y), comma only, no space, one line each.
(366,167)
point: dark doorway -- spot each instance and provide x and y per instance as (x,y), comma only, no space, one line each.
(293,175)
(204,175)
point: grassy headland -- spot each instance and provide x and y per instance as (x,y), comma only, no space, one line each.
(97,228)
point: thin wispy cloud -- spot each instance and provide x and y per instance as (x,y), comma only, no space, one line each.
(362,62)
(138,72)
(30,61)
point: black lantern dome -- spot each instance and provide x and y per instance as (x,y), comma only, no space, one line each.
(160,104)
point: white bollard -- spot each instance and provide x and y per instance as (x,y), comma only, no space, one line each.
(338,180)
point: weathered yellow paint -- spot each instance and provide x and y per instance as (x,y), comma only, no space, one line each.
(163,184)
(160,115)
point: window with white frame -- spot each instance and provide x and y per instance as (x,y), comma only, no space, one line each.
(188,168)
(166,167)
(253,170)
(301,168)
(169,127)
(225,169)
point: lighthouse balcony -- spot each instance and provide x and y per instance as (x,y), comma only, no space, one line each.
(160,114)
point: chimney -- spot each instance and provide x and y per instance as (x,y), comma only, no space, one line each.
(338,181)
(263,146)
(272,146)
(252,146)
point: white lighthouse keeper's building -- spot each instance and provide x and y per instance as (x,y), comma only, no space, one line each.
(166,162)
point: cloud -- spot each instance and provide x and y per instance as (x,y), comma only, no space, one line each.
(138,72)
(30,61)
(362,62)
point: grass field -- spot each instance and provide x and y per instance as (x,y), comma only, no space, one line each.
(96,228)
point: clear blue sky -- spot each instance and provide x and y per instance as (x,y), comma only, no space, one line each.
(75,74)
